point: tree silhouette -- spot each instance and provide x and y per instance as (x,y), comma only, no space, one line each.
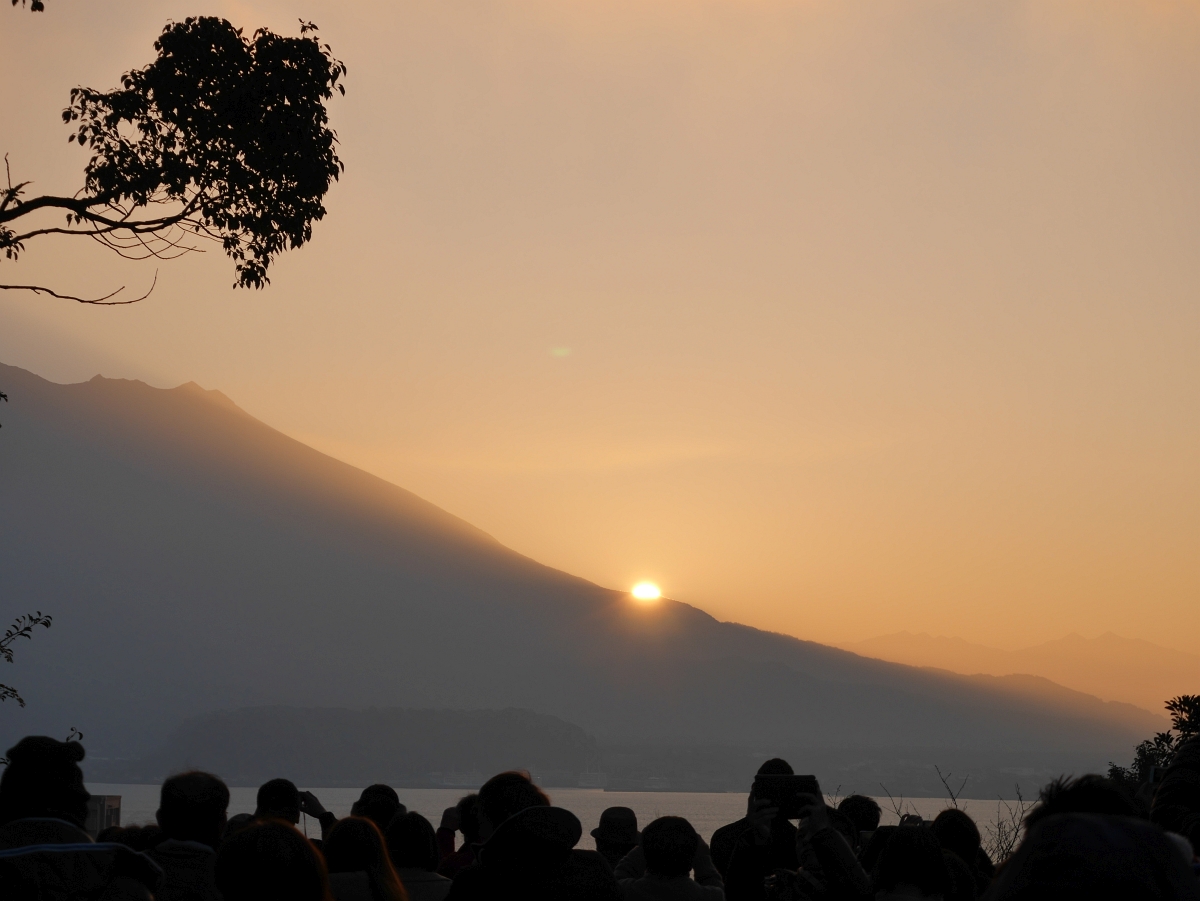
(222,138)
(1160,750)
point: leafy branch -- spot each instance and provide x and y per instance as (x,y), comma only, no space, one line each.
(223,138)
(22,627)
(1159,751)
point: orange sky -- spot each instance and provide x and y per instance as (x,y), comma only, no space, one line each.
(833,318)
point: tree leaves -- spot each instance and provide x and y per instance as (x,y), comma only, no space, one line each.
(22,627)
(1160,750)
(222,137)
(1185,715)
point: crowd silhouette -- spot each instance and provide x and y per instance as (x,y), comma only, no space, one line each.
(1086,838)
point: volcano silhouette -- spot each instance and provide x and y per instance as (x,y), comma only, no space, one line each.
(195,559)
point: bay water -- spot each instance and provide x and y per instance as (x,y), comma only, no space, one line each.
(707,811)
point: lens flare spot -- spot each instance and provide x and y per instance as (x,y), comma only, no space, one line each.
(646,591)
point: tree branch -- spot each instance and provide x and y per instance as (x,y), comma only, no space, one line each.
(105,301)
(74,204)
(8,693)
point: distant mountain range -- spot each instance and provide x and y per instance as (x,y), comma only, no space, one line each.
(1111,667)
(196,561)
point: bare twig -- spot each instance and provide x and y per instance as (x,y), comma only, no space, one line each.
(105,301)
(173,250)
(954,795)
(897,806)
(1001,838)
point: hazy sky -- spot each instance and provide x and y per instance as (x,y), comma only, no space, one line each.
(834,318)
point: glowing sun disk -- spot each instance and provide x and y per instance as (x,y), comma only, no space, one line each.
(646,591)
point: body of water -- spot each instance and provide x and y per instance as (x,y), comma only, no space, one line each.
(706,811)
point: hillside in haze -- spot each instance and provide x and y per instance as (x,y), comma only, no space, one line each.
(1109,666)
(196,560)
(331,746)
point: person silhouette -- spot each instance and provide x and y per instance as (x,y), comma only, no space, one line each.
(462,817)
(529,850)
(192,815)
(379,803)
(617,834)
(270,860)
(413,848)
(912,866)
(279,799)
(668,852)
(768,841)
(43,809)
(359,866)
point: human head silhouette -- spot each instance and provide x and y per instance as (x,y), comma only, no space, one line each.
(616,834)
(236,824)
(378,803)
(271,861)
(1089,855)
(278,799)
(43,779)
(504,795)
(412,842)
(468,817)
(192,807)
(1086,794)
(776,766)
(957,833)
(669,844)
(863,812)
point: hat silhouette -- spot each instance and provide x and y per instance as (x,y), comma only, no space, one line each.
(618,824)
(535,838)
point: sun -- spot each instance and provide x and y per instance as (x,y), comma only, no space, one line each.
(646,591)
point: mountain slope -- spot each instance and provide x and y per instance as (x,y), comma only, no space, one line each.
(196,560)
(1120,669)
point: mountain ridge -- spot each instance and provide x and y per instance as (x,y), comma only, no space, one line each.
(196,559)
(1109,666)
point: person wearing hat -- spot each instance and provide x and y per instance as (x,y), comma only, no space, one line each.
(617,834)
(529,850)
